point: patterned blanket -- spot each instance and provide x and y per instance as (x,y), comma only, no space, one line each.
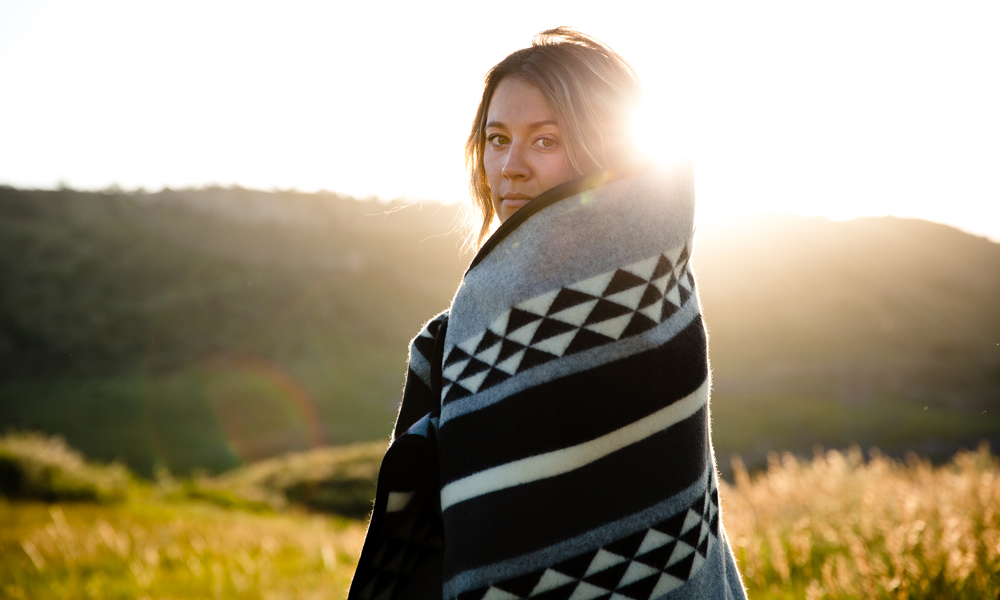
(553,440)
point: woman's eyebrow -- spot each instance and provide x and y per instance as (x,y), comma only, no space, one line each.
(543,123)
(532,126)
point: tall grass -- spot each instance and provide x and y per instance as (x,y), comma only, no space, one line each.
(840,527)
(129,551)
(836,527)
(74,529)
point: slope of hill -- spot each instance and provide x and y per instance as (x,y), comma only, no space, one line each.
(881,330)
(203,328)
(200,328)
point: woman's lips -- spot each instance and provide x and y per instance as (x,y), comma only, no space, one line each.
(516,200)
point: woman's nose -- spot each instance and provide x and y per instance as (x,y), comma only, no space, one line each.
(515,167)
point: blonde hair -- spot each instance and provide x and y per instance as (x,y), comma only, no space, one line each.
(591,91)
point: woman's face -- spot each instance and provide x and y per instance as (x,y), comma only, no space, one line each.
(524,153)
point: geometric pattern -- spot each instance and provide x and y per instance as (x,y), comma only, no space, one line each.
(599,310)
(425,340)
(642,566)
(399,556)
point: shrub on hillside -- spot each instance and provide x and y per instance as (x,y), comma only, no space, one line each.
(339,480)
(38,467)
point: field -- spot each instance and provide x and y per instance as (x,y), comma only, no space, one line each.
(151,548)
(835,527)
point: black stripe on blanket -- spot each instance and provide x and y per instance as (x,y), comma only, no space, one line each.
(559,414)
(640,565)
(492,527)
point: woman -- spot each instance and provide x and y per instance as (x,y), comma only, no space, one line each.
(553,438)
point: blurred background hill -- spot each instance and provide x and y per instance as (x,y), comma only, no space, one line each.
(880,331)
(205,328)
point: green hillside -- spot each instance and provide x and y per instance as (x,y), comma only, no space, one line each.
(205,328)
(199,328)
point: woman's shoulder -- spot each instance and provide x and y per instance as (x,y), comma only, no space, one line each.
(423,344)
(418,393)
(430,329)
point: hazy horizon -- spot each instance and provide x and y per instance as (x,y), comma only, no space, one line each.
(837,111)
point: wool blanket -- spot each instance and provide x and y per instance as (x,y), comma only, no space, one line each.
(553,440)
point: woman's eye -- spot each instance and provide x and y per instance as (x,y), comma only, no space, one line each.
(546,142)
(497,140)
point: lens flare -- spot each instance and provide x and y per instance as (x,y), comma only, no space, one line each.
(261,408)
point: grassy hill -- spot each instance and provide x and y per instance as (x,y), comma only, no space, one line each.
(206,328)
(203,328)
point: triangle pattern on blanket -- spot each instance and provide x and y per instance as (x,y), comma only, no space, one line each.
(424,342)
(643,565)
(577,317)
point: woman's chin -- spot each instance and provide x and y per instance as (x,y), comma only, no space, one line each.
(510,206)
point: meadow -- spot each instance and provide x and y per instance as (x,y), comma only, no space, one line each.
(154,549)
(835,527)
(74,529)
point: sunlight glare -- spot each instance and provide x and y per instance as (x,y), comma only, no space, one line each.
(661,140)
(841,110)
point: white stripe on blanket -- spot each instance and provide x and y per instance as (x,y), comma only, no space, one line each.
(550,464)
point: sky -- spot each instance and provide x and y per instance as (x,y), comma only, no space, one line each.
(838,109)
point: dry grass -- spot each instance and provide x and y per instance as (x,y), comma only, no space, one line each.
(170,550)
(835,527)
(838,527)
